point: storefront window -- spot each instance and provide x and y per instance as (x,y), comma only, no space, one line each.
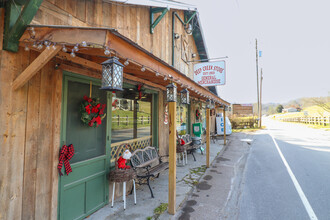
(182,119)
(131,117)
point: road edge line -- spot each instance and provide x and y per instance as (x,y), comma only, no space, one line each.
(301,193)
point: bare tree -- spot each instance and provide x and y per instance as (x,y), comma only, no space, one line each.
(323,103)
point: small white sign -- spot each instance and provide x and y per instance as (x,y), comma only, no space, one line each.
(210,74)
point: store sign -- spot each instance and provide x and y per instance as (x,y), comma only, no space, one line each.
(210,74)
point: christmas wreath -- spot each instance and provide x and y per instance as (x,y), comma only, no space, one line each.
(92,111)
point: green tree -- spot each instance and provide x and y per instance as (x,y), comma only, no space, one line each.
(279,108)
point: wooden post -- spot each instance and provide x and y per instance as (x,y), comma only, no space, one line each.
(208,138)
(260,107)
(172,159)
(135,119)
(224,125)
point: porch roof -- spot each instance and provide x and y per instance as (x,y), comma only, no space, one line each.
(119,45)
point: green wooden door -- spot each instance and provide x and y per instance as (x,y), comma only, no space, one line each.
(86,189)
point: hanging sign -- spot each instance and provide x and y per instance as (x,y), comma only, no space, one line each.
(210,74)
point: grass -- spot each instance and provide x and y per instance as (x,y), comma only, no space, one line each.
(313,111)
(327,128)
(243,122)
(158,211)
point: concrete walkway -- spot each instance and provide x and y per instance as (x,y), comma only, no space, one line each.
(187,177)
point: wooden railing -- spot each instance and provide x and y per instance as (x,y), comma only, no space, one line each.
(323,121)
(137,143)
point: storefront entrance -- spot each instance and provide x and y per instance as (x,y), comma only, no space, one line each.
(86,189)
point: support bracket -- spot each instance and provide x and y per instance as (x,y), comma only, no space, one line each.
(189,16)
(16,21)
(154,11)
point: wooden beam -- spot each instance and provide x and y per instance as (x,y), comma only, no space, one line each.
(137,79)
(172,160)
(124,49)
(34,67)
(98,67)
(80,61)
(208,138)
(131,51)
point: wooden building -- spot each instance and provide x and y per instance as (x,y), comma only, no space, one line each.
(50,58)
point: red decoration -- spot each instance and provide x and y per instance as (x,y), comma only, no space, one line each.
(122,163)
(92,112)
(139,90)
(182,142)
(198,115)
(66,154)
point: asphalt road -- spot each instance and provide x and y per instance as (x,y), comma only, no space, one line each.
(280,173)
(290,180)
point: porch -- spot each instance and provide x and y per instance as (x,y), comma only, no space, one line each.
(187,177)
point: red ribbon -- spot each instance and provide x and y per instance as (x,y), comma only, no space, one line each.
(66,154)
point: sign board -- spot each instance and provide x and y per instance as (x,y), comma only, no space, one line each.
(242,109)
(210,73)
(220,126)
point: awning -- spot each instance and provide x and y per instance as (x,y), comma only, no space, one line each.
(159,3)
(158,73)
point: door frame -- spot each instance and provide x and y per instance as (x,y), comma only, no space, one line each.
(68,76)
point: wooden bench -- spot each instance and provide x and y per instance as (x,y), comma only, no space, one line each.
(147,164)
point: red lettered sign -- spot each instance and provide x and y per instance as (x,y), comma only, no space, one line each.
(210,74)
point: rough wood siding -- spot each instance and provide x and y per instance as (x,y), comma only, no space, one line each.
(29,139)
(130,20)
(12,136)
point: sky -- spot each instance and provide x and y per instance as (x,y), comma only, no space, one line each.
(294,37)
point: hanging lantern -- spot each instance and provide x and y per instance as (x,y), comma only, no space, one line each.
(208,103)
(171,92)
(112,75)
(185,96)
(212,104)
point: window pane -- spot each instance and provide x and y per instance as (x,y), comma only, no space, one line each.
(131,117)
(144,118)
(182,119)
(88,142)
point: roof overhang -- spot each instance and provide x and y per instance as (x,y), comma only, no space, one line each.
(160,3)
(122,47)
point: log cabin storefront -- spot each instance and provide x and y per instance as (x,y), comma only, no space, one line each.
(55,69)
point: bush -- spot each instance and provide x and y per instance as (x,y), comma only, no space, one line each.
(243,122)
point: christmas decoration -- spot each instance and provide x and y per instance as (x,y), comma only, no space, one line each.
(198,114)
(139,90)
(92,112)
(66,153)
(121,162)
(34,42)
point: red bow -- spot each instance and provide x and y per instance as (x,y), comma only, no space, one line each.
(66,154)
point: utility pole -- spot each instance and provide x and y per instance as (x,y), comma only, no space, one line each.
(260,108)
(257,78)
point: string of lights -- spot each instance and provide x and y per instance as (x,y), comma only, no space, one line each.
(84,45)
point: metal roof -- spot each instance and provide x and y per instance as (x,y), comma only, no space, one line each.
(158,3)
